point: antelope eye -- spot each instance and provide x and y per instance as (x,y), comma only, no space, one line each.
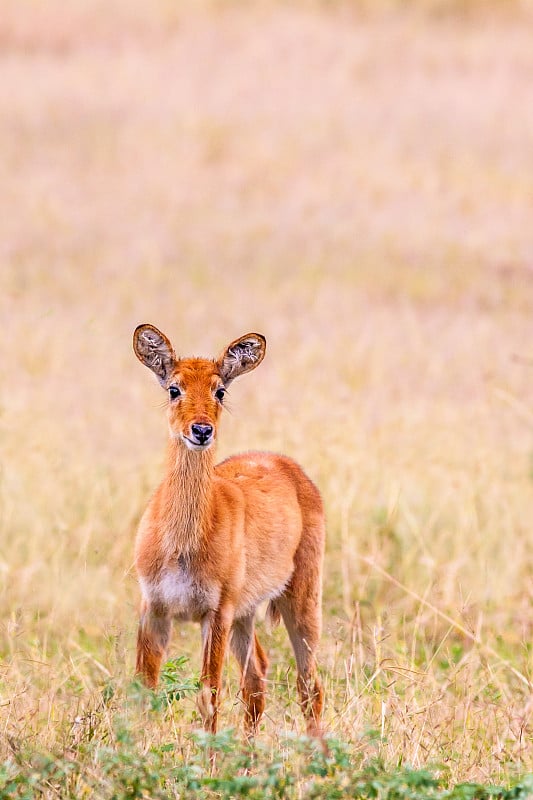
(173,392)
(219,394)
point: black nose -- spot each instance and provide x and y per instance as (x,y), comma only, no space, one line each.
(201,432)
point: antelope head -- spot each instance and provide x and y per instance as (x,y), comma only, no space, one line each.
(195,386)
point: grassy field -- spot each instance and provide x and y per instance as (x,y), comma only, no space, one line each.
(356,185)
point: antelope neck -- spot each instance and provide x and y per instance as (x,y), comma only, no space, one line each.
(188,497)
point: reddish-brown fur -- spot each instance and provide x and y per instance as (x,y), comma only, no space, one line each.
(216,541)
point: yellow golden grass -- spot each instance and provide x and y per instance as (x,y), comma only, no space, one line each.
(357,187)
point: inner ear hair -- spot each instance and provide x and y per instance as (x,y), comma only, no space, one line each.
(155,351)
(242,355)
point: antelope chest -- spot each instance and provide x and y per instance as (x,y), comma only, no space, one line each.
(178,591)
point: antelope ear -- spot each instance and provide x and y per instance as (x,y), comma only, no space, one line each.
(241,356)
(155,351)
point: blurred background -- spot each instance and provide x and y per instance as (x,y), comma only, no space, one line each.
(354,181)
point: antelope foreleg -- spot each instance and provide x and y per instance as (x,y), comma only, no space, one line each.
(215,631)
(152,641)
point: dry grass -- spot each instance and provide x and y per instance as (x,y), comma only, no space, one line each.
(358,188)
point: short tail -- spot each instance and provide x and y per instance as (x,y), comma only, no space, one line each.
(273,616)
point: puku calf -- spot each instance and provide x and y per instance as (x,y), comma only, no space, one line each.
(216,541)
